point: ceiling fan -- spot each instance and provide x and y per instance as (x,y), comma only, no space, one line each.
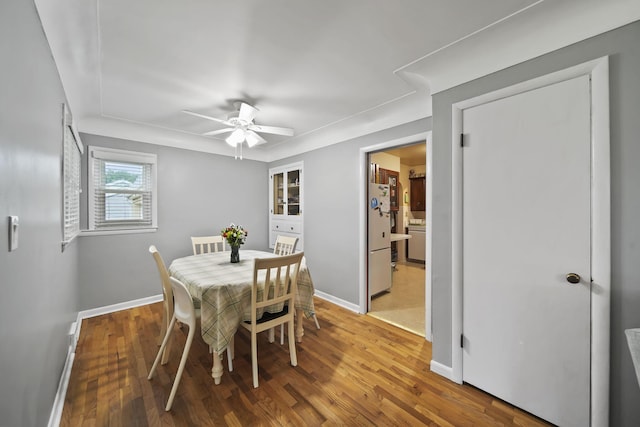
(240,124)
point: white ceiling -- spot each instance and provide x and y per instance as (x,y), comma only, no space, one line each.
(330,69)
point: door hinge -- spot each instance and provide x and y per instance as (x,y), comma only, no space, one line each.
(461,341)
(461,140)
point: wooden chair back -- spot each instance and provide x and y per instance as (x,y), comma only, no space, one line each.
(273,296)
(285,245)
(207,244)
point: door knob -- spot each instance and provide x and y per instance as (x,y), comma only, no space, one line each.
(573,278)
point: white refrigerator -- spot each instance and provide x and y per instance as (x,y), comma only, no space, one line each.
(379,241)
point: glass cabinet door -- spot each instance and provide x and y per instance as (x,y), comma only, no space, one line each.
(286,191)
(293,192)
(278,193)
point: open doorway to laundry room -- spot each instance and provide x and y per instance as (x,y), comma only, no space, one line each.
(402,171)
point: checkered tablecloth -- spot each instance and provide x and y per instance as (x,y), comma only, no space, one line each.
(224,290)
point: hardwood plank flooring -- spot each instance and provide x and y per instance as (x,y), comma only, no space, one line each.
(355,371)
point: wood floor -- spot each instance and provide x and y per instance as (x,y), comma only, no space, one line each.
(355,371)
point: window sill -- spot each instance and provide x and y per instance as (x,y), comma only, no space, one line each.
(85,233)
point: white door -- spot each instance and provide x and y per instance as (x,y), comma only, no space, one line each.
(526,226)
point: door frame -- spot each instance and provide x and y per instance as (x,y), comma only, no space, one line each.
(598,71)
(365,298)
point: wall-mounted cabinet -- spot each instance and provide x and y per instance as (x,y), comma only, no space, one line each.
(418,192)
(390,177)
(285,202)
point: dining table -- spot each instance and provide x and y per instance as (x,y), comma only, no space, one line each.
(223,290)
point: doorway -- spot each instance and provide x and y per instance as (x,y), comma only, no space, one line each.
(405,304)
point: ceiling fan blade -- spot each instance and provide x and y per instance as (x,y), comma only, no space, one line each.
(219,131)
(253,138)
(207,117)
(247,112)
(272,129)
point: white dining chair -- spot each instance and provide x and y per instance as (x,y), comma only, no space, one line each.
(285,245)
(207,244)
(633,339)
(274,282)
(167,299)
(186,313)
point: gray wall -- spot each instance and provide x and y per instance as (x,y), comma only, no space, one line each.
(332,209)
(38,280)
(198,195)
(623,46)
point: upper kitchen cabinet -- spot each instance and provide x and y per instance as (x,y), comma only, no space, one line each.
(418,193)
(390,177)
(285,202)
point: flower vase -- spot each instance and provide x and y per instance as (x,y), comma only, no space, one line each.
(235,254)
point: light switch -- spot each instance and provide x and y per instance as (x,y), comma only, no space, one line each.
(13,233)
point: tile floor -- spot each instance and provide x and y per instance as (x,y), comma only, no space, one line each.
(403,306)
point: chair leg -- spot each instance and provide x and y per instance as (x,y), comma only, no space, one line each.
(167,348)
(254,358)
(166,318)
(167,335)
(183,362)
(163,327)
(230,351)
(282,334)
(292,344)
(316,319)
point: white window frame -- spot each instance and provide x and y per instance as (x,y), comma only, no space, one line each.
(72,150)
(126,156)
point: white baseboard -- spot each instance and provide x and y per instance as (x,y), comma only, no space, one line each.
(443,370)
(337,301)
(58,402)
(85,314)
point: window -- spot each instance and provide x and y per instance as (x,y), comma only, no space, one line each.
(71,152)
(122,190)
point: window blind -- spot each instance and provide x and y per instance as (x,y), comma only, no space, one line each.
(71,160)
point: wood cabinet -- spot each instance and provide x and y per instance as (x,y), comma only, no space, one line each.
(387,176)
(417,193)
(285,202)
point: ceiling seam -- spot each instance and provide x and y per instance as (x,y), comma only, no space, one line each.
(398,70)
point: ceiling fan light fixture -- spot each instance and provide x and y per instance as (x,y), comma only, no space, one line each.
(236,137)
(252,139)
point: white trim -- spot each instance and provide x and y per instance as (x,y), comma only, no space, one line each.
(337,301)
(600,244)
(443,370)
(428,315)
(456,245)
(86,233)
(85,314)
(364,298)
(63,384)
(601,223)
(113,154)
